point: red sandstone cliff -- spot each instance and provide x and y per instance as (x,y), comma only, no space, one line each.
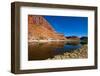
(40,29)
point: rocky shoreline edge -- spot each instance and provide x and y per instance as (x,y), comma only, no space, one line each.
(78,53)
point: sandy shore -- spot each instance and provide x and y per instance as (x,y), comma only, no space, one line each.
(78,53)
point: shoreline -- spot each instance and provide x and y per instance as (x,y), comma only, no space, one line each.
(45,40)
(78,53)
(52,40)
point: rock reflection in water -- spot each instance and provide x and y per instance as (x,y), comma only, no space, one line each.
(42,51)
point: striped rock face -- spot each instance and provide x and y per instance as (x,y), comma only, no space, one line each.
(40,29)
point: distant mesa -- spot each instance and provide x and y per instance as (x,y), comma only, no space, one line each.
(73,38)
(84,40)
(40,29)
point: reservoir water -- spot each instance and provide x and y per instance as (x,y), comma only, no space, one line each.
(42,51)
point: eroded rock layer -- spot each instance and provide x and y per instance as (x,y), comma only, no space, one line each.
(40,29)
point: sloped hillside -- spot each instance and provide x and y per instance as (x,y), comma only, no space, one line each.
(40,29)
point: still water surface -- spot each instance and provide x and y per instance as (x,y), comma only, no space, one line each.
(42,51)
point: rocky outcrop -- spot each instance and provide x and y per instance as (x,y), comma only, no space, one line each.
(40,29)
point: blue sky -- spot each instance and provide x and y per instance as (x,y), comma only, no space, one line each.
(69,26)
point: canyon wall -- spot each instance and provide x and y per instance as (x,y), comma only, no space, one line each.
(39,20)
(40,29)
